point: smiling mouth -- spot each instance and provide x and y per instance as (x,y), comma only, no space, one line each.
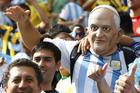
(99,41)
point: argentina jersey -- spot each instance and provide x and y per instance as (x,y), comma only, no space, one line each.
(81,83)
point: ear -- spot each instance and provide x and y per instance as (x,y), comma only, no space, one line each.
(58,65)
(5,89)
(86,31)
(120,33)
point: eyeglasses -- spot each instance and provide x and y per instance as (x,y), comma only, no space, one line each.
(39,58)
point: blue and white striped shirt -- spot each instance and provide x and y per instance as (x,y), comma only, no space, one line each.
(81,83)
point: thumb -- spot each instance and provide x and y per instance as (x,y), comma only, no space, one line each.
(28,12)
(102,71)
(132,72)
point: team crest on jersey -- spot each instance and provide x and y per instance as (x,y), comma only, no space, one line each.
(115,64)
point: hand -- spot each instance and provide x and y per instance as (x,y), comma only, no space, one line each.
(125,83)
(96,73)
(17,14)
(83,45)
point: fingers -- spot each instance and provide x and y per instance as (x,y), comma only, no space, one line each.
(103,69)
(132,72)
(79,46)
(28,12)
(16,13)
(125,83)
(83,45)
(97,73)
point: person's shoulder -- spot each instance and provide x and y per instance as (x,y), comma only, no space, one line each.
(55,91)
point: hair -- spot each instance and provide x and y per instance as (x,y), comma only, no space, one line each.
(48,46)
(64,35)
(57,29)
(20,63)
(126,23)
(116,15)
(24,6)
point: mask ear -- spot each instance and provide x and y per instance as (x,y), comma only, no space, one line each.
(5,89)
(120,33)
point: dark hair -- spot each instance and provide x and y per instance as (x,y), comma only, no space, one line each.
(57,29)
(65,36)
(19,63)
(45,36)
(126,22)
(48,46)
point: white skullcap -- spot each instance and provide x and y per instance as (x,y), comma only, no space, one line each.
(116,15)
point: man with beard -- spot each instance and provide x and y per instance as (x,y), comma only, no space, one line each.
(22,76)
(48,57)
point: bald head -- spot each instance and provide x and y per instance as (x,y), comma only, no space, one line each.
(103,11)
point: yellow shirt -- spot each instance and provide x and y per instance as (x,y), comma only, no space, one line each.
(34,17)
(116,3)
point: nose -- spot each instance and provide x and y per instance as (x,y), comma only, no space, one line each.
(99,33)
(41,63)
(78,37)
(22,84)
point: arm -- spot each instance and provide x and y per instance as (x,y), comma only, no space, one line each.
(101,87)
(126,40)
(41,13)
(28,33)
(88,4)
(68,22)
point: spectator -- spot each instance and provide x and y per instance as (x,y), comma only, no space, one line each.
(73,13)
(23,76)
(134,6)
(103,49)
(117,4)
(55,7)
(47,56)
(78,32)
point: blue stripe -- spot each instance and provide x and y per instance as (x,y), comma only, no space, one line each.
(115,73)
(115,76)
(82,73)
(94,87)
(100,63)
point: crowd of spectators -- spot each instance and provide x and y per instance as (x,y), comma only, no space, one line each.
(29,24)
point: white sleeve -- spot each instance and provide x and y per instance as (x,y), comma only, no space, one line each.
(66,48)
(65,13)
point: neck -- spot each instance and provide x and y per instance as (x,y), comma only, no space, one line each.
(46,86)
(135,12)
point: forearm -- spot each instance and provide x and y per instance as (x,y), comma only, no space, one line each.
(88,4)
(68,23)
(126,40)
(41,13)
(28,33)
(135,90)
(103,87)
